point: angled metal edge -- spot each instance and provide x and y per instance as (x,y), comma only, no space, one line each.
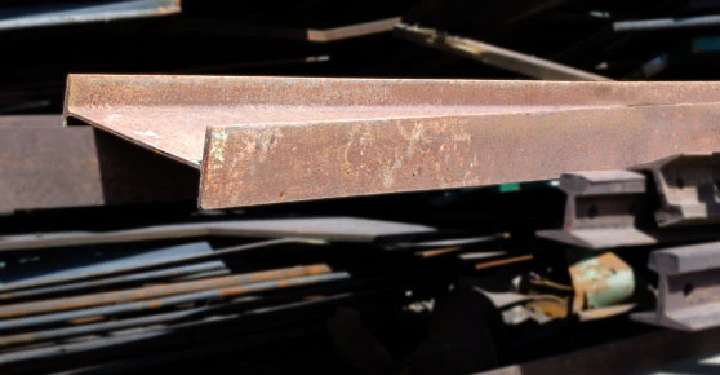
(246,166)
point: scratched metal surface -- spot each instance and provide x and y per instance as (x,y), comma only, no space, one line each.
(283,163)
(170,114)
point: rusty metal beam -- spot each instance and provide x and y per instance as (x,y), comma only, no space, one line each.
(170,114)
(260,140)
(46,167)
(293,162)
(502,58)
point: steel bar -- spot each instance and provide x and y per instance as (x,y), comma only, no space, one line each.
(294,162)
(116,342)
(74,13)
(170,114)
(502,58)
(91,314)
(90,262)
(56,167)
(167,318)
(148,266)
(666,23)
(352,31)
(200,269)
(156,291)
(328,228)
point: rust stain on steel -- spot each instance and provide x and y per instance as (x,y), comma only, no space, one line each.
(170,114)
(283,163)
(503,262)
(43,167)
(61,304)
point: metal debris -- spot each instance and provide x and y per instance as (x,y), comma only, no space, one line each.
(531,66)
(68,14)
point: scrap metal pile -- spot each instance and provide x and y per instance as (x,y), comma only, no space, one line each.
(265,221)
(366,226)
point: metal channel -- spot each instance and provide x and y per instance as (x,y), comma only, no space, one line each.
(170,114)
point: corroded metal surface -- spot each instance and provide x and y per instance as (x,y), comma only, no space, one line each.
(292,162)
(43,167)
(169,114)
(151,292)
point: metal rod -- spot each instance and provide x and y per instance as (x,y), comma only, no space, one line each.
(103,312)
(150,292)
(496,56)
(157,265)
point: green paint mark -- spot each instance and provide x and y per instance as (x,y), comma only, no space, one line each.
(506,188)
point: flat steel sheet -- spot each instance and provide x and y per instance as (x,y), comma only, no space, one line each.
(170,114)
(249,165)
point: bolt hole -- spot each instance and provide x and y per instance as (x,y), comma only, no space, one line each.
(592,212)
(680,182)
(688,289)
(282,194)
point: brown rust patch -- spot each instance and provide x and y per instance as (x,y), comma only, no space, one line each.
(88,320)
(156,291)
(503,262)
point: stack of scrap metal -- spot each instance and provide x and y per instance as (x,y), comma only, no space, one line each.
(139,300)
